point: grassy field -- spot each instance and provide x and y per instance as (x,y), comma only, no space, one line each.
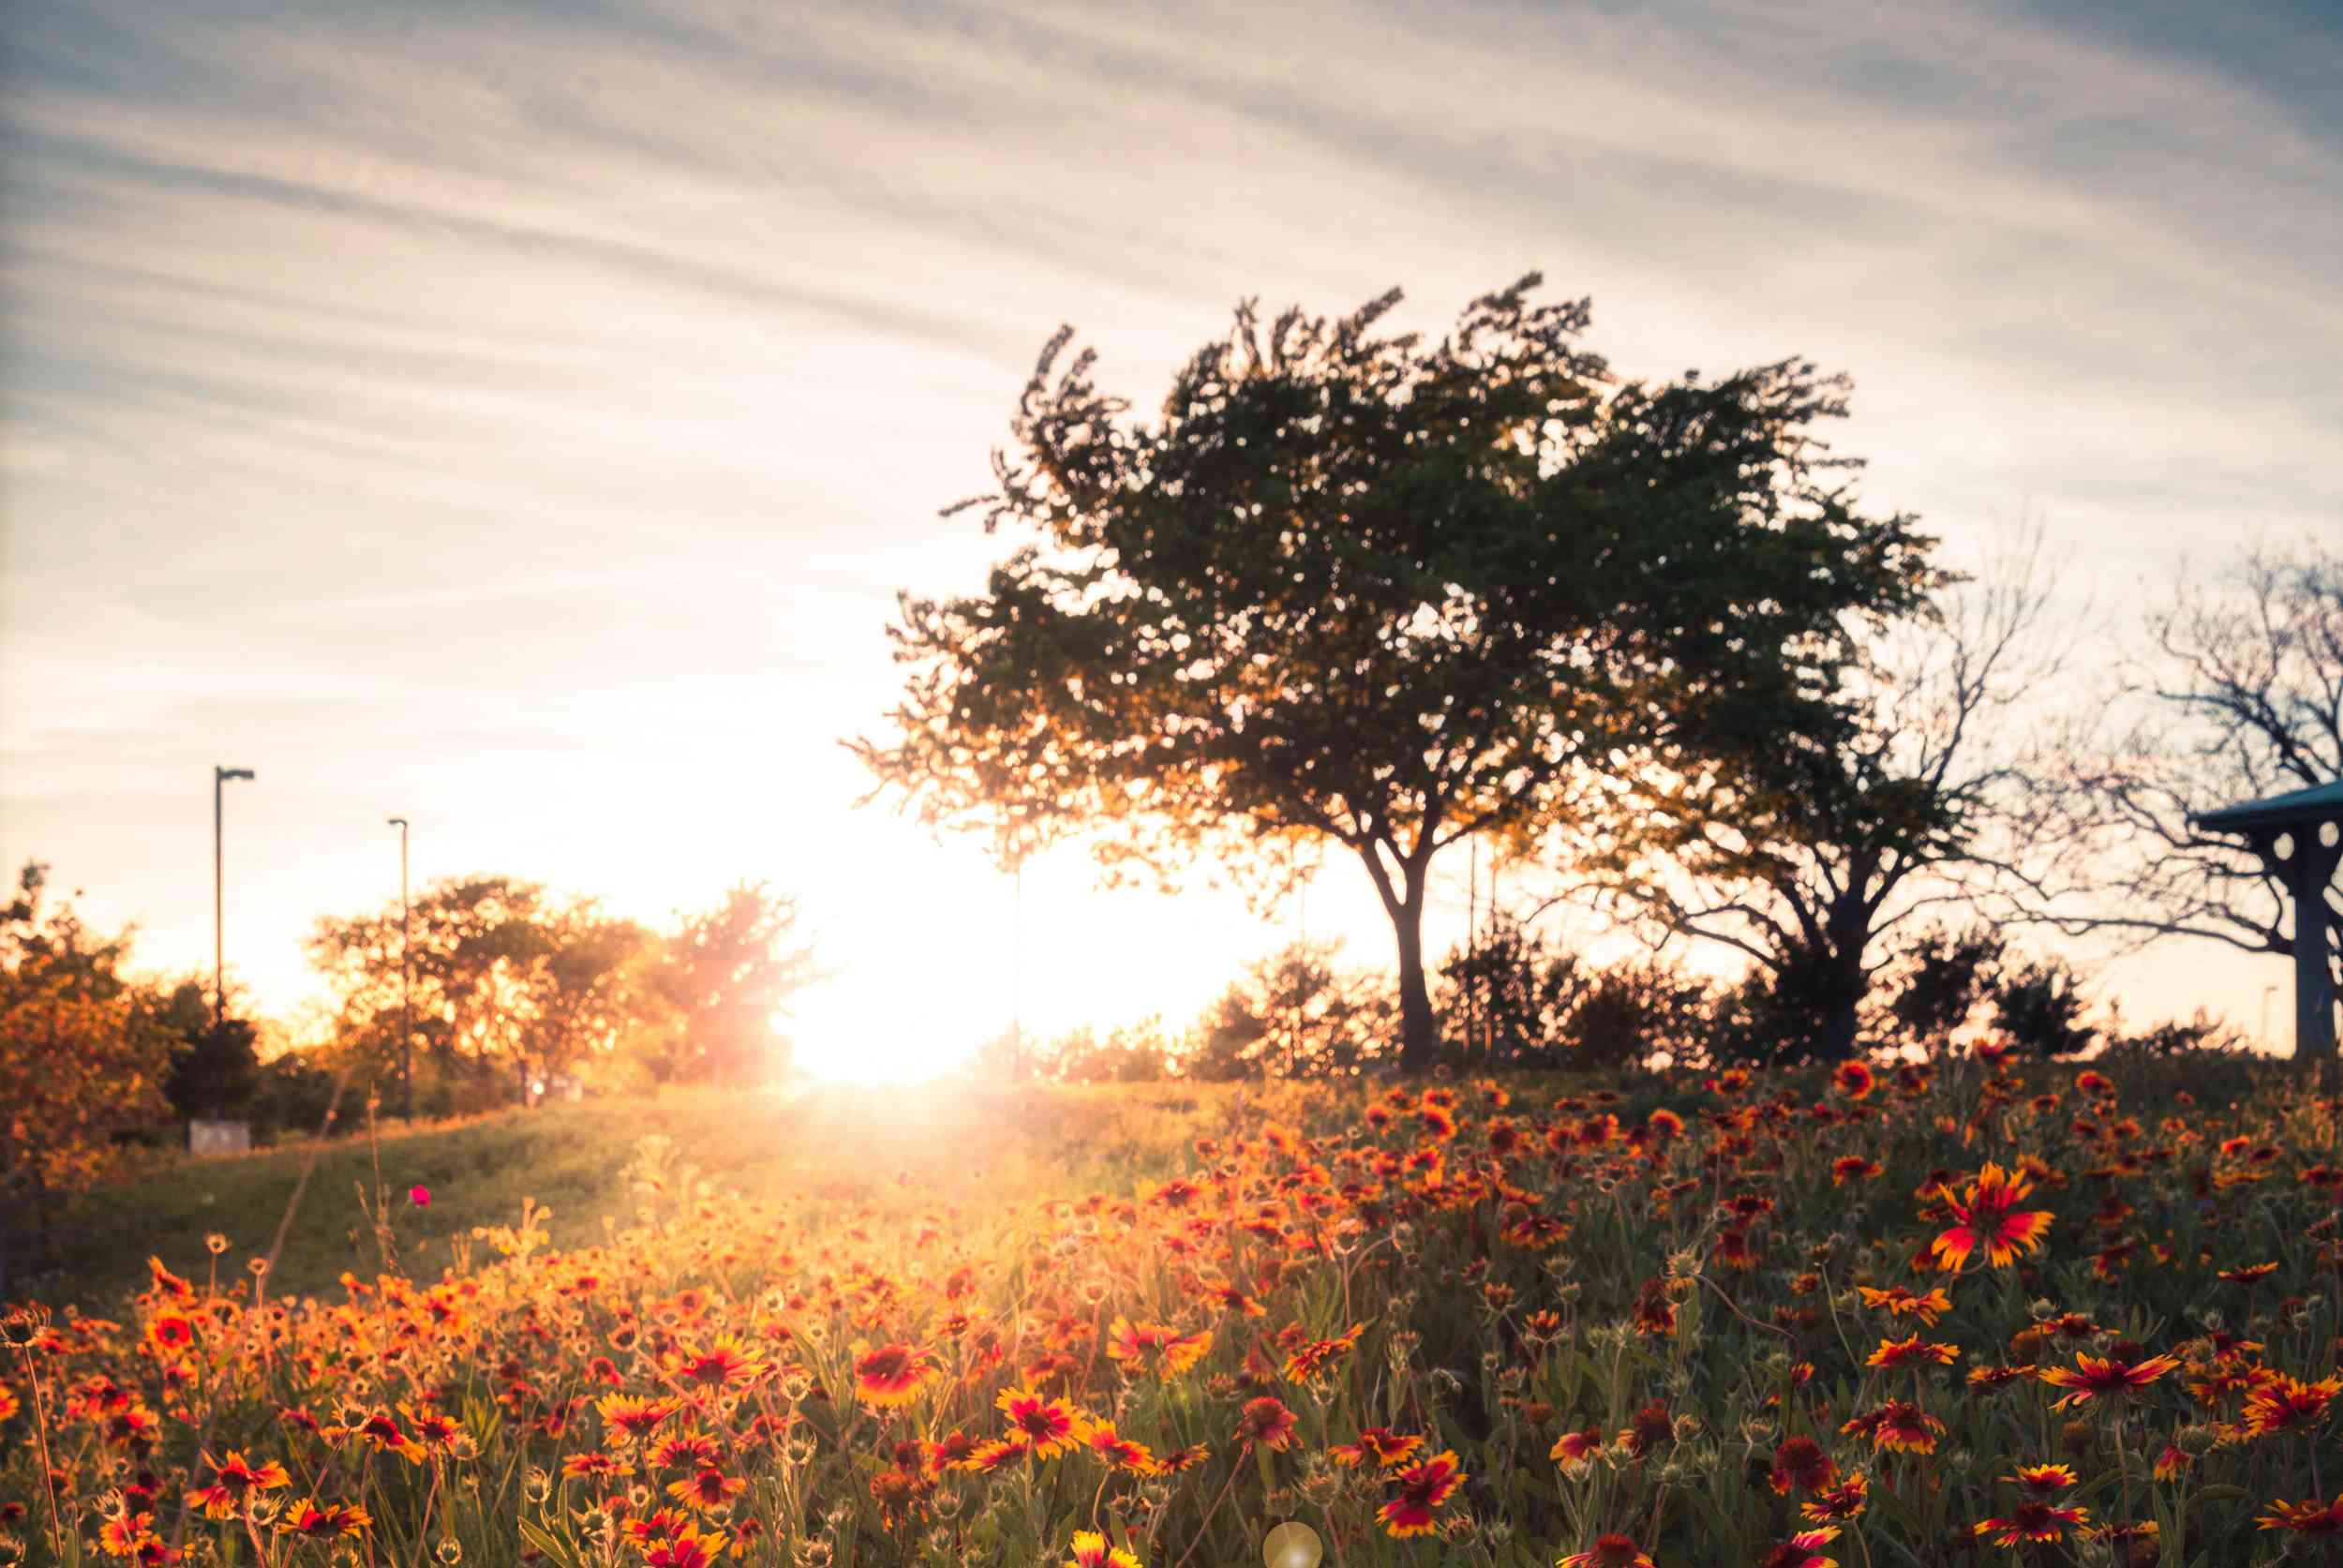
(836,1146)
(1919,1315)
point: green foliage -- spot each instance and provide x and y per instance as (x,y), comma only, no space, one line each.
(1520,1001)
(1942,977)
(1294,1014)
(1385,592)
(215,1068)
(2039,1006)
(513,988)
(726,973)
(83,1060)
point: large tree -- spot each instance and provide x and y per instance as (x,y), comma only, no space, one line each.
(1817,845)
(1390,594)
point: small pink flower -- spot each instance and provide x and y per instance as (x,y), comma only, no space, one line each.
(419,1195)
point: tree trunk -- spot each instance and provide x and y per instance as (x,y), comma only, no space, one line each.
(1837,1041)
(1419,1030)
(1419,1027)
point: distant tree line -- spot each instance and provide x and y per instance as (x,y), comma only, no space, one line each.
(515,992)
(509,992)
(1516,1001)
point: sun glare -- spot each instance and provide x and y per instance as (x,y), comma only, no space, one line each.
(834,1044)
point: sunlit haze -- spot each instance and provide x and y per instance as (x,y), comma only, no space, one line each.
(520,418)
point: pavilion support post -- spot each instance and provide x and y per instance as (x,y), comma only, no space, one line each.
(2314,976)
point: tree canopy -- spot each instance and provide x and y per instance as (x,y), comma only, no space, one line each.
(1383,592)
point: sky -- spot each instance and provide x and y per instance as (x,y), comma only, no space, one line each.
(521,417)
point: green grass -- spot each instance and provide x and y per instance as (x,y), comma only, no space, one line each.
(848,1146)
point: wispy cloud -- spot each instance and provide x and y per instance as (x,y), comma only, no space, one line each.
(525,410)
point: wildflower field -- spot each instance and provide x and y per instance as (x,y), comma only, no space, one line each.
(1966,1311)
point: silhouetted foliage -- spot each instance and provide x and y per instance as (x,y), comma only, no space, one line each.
(2039,1004)
(215,1068)
(728,972)
(1818,840)
(1540,1006)
(1296,1015)
(1382,592)
(2238,695)
(1135,1053)
(514,988)
(1940,979)
(290,1096)
(82,1059)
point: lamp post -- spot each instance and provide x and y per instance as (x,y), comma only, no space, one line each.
(219,905)
(1017,963)
(407,978)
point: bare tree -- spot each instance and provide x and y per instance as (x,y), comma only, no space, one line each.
(2238,695)
(1827,844)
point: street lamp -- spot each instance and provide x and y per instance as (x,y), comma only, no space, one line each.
(407,978)
(220,942)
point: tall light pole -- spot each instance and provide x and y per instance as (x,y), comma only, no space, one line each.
(1017,963)
(2266,991)
(407,978)
(219,904)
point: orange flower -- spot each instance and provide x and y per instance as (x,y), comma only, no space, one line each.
(1117,1452)
(626,1418)
(1419,1491)
(127,1534)
(2031,1520)
(1048,1427)
(1186,1458)
(1852,1078)
(1803,1550)
(1799,1463)
(1901,1302)
(312,1518)
(232,1479)
(686,1451)
(1845,1501)
(709,1487)
(1311,1359)
(1380,1443)
(727,1361)
(1914,1351)
(1854,1168)
(2305,1518)
(1575,1451)
(383,1430)
(2112,1378)
(1898,1426)
(1092,1551)
(1609,1551)
(1991,1219)
(2043,1479)
(1267,1422)
(891,1375)
(1166,1351)
(686,1548)
(2284,1404)
(170,1332)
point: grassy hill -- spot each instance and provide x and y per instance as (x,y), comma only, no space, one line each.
(843,1145)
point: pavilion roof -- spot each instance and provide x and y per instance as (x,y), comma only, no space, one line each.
(2296,808)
